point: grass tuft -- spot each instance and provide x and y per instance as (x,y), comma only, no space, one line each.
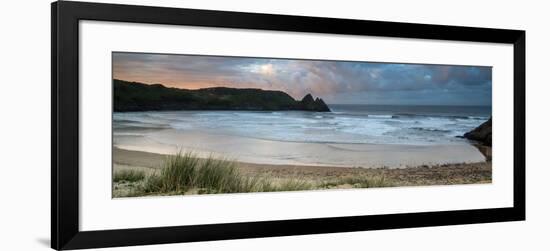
(294,185)
(219,176)
(359,182)
(128,176)
(186,173)
(177,175)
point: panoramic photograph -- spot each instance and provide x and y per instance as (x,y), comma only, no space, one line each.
(199,124)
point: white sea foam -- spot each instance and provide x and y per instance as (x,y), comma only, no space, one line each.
(341,126)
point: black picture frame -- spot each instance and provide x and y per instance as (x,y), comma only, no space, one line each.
(65,233)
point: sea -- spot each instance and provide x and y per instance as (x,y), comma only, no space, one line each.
(345,124)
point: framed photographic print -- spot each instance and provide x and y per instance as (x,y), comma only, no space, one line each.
(178,125)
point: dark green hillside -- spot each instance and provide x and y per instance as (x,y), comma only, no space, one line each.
(132,96)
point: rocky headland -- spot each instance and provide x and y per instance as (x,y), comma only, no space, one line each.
(133,96)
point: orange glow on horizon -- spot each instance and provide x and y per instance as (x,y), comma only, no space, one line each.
(193,85)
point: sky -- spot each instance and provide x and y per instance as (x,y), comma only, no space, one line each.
(336,82)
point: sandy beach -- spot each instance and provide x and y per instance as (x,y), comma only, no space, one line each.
(471,173)
(270,152)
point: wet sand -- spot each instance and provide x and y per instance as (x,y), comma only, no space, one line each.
(269,152)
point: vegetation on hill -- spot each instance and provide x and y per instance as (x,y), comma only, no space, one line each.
(133,96)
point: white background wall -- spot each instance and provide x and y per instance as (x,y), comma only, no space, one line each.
(25,112)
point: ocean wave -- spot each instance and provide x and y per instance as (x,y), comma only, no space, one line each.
(340,127)
(377,116)
(409,116)
(431,129)
(412,115)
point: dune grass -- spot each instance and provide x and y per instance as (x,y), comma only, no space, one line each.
(186,173)
(128,175)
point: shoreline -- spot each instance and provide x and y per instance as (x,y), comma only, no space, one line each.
(423,175)
(272,152)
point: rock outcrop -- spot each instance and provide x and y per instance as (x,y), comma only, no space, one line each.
(482,133)
(310,104)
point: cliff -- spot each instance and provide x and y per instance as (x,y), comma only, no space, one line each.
(133,96)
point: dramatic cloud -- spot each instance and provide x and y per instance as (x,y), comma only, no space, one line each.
(334,81)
